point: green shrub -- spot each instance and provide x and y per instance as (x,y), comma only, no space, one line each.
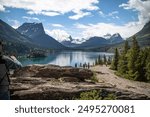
(94,78)
(96,95)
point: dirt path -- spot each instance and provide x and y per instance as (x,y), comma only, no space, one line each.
(105,75)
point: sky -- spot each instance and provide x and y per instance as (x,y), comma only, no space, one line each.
(78,18)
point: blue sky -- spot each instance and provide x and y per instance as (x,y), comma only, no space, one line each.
(79,18)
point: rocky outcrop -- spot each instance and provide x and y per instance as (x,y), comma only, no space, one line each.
(49,82)
(53,71)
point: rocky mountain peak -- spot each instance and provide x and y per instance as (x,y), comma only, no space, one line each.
(70,38)
(107,36)
(116,35)
(30,29)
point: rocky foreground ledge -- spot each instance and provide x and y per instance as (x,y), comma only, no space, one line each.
(49,82)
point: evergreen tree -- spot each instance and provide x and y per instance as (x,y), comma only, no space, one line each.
(122,65)
(109,60)
(148,71)
(133,63)
(143,65)
(105,60)
(96,61)
(114,64)
(140,66)
(100,62)
(134,60)
(147,65)
(126,47)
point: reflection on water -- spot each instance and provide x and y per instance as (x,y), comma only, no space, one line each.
(66,58)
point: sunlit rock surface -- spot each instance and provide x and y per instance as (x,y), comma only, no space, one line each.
(37,82)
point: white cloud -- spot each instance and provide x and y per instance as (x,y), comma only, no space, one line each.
(53,7)
(115,17)
(126,30)
(57,25)
(14,23)
(79,15)
(143,8)
(48,13)
(112,14)
(101,29)
(102,14)
(2,8)
(31,19)
(59,35)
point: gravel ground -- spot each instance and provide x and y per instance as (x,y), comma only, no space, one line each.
(105,75)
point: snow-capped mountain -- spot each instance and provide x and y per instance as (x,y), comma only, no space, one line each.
(96,41)
(115,38)
(107,36)
(69,42)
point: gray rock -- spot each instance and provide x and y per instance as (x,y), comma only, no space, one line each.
(38,82)
(52,71)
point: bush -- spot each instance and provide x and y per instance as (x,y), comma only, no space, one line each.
(94,78)
(96,95)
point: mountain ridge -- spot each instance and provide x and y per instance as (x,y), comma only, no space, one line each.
(95,41)
(14,42)
(143,38)
(36,32)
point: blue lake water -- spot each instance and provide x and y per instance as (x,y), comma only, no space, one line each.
(66,58)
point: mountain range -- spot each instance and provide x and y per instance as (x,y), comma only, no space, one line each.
(93,41)
(32,35)
(96,42)
(69,42)
(143,38)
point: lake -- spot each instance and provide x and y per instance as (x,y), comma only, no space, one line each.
(66,58)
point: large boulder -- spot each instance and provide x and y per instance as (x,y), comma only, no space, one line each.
(53,71)
(32,88)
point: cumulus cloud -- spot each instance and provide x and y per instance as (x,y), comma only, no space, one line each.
(57,25)
(53,7)
(126,30)
(79,15)
(143,8)
(100,29)
(48,13)
(2,8)
(14,23)
(59,35)
(31,19)
(112,14)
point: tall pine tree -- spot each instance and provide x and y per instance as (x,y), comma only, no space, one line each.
(122,65)
(114,64)
(105,60)
(147,65)
(134,60)
(100,62)
(109,60)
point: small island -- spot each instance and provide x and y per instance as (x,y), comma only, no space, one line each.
(36,54)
